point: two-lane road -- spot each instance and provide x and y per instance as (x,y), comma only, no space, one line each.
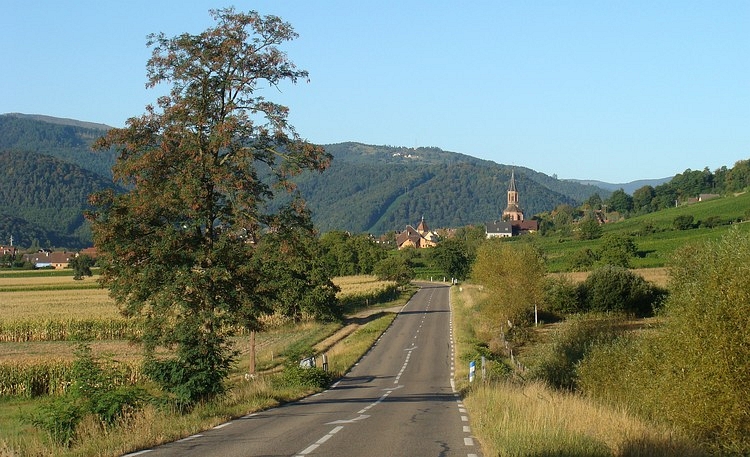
(397,401)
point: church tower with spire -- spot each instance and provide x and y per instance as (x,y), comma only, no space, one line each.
(512,212)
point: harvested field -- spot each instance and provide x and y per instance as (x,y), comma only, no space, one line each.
(658,276)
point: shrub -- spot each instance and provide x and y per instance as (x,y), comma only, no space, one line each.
(612,288)
(617,250)
(694,373)
(711,222)
(561,296)
(583,260)
(683,222)
(58,418)
(589,229)
(557,363)
(97,388)
(297,376)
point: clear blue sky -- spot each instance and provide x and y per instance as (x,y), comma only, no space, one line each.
(609,90)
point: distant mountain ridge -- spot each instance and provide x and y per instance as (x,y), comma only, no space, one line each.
(65,139)
(629,187)
(374,189)
(60,121)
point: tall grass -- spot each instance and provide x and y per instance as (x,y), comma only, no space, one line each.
(24,379)
(532,420)
(515,417)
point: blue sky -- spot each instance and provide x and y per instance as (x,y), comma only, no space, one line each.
(609,90)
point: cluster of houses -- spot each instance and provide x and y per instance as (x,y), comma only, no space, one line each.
(45,258)
(511,223)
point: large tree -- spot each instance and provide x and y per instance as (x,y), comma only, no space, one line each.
(452,257)
(177,248)
(513,275)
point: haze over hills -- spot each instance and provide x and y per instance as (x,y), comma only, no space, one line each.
(628,187)
(374,189)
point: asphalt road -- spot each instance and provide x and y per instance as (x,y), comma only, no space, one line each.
(397,401)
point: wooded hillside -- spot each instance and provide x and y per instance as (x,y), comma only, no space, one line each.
(42,200)
(49,170)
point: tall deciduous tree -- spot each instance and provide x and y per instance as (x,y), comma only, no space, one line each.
(451,256)
(177,247)
(513,274)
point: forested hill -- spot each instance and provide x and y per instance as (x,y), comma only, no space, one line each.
(49,170)
(42,200)
(67,139)
(378,189)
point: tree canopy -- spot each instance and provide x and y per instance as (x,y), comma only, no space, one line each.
(177,247)
(513,274)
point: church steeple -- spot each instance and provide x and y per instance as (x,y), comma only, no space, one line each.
(512,212)
(422,227)
(512,192)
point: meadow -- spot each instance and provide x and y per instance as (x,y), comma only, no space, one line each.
(654,234)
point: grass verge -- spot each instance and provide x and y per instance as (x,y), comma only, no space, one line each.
(512,417)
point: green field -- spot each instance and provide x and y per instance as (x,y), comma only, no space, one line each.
(654,234)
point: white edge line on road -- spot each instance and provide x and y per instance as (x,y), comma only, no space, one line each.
(222,425)
(189,438)
(138,453)
(309,449)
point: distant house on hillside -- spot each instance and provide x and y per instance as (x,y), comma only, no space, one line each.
(499,229)
(704,197)
(47,259)
(419,238)
(512,223)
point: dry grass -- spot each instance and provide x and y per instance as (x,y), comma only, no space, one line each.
(361,284)
(658,276)
(531,419)
(16,281)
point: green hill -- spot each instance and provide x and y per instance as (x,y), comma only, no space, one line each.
(378,189)
(42,200)
(66,139)
(655,234)
(49,169)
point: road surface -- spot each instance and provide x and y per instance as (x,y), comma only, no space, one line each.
(397,401)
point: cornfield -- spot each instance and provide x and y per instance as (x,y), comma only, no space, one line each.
(49,377)
(68,330)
